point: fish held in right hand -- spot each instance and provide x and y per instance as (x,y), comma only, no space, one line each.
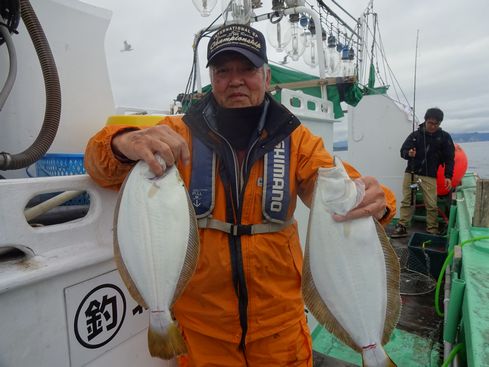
(146,144)
(156,248)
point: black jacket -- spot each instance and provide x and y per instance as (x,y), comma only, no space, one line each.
(431,151)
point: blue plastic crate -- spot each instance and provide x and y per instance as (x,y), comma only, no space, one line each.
(62,164)
(58,164)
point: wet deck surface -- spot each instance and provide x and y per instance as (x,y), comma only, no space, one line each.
(320,360)
(418,314)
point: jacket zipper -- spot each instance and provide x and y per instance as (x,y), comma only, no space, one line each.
(235,160)
(239,278)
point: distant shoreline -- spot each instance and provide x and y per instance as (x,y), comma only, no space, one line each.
(457,138)
(469,137)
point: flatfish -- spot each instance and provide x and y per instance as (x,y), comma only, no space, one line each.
(156,247)
(351,273)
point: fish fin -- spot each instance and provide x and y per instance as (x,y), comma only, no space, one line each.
(126,278)
(167,345)
(121,267)
(391,363)
(318,308)
(192,254)
(393,274)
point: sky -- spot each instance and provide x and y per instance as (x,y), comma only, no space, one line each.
(451,62)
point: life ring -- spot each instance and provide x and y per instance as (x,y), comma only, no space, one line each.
(459,169)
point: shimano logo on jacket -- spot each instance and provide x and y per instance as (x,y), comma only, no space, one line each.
(278,177)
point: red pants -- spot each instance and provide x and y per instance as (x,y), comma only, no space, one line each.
(290,347)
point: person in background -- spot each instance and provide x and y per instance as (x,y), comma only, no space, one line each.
(244,159)
(424,150)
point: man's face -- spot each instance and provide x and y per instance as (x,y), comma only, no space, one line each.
(236,82)
(432,125)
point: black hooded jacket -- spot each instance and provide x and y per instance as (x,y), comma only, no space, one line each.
(432,149)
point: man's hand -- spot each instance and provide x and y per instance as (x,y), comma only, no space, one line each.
(373,203)
(448,183)
(144,144)
(412,152)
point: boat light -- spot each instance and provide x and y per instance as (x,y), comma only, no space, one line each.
(332,56)
(304,21)
(237,11)
(205,7)
(278,5)
(278,32)
(297,38)
(347,55)
(310,52)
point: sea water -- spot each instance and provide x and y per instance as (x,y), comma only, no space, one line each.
(477,157)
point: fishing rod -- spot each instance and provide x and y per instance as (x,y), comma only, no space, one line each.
(415,70)
(414,185)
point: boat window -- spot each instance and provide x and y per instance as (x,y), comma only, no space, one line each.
(295,102)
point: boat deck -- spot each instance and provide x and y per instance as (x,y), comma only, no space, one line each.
(321,360)
(418,315)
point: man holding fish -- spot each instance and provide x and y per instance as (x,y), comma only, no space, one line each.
(244,159)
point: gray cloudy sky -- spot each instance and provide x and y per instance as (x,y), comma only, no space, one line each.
(452,71)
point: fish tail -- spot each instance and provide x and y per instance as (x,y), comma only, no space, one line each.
(390,363)
(375,356)
(167,343)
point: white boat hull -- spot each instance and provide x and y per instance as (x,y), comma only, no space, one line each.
(63,303)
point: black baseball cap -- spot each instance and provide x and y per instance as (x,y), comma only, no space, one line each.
(240,38)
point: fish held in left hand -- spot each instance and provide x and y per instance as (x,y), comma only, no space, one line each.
(351,273)
(156,248)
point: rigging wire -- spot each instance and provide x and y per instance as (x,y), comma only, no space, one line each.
(391,73)
(377,47)
(329,24)
(365,37)
(334,15)
(377,52)
(384,68)
(350,39)
(339,6)
(392,76)
(191,81)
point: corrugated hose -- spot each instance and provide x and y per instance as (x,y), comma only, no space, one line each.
(53,96)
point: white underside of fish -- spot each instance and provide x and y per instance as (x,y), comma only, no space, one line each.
(347,266)
(155,230)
